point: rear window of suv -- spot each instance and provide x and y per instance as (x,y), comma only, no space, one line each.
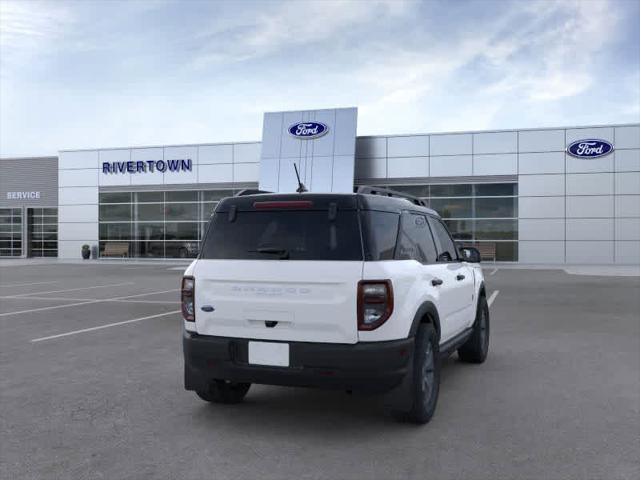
(283,235)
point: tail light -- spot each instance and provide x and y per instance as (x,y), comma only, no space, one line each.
(188,295)
(375,303)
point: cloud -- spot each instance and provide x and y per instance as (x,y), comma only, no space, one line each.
(287,25)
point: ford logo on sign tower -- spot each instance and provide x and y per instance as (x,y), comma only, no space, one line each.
(308,130)
(590,148)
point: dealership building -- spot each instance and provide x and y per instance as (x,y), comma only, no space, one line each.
(544,195)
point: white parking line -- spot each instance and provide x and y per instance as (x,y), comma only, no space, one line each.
(492,297)
(87,302)
(75,289)
(25,284)
(493,272)
(67,299)
(84,330)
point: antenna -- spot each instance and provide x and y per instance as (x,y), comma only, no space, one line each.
(301,188)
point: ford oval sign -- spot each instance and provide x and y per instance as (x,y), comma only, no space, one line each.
(308,130)
(590,148)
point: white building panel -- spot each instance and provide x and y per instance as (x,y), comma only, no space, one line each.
(589,252)
(77,178)
(344,135)
(627,228)
(589,229)
(588,165)
(68,214)
(342,174)
(541,229)
(272,127)
(215,154)
(246,152)
(627,205)
(452,144)
(371,147)
(323,146)
(116,178)
(79,159)
(77,195)
(451,166)
(541,185)
(319,174)
(590,184)
(541,207)
(628,137)
(219,173)
(628,253)
(410,146)
(179,176)
(290,146)
(541,141)
(590,206)
(601,133)
(70,249)
(148,177)
(545,162)
(540,252)
(628,183)
(371,168)
(78,231)
(402,167)
(627,160)
(495,142)
(246,172)
(500,164)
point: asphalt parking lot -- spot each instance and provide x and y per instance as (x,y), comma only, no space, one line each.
(559,395)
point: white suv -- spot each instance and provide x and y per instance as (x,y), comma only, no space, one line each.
(360,292)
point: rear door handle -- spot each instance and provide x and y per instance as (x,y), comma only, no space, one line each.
(436,281)
(460,277)
(207,308)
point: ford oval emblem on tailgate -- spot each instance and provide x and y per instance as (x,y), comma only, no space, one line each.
(590,148)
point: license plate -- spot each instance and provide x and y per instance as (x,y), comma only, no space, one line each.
(267,353)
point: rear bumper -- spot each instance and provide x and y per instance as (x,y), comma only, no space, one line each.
(371,367)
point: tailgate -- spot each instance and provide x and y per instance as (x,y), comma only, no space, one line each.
(304,301)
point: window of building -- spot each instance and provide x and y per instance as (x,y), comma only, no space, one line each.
(476,213)
(10,232)
(157,224)
(42,228)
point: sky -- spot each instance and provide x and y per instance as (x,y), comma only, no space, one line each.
(85,74)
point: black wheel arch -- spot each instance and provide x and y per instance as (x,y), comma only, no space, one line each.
(427,313)
(482,292)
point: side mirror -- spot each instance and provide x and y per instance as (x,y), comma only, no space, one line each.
(470,254)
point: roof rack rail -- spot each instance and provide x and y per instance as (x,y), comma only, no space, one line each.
(250,191)
(385,192)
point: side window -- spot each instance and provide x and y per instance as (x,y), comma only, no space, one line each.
(446,247)
(414,240)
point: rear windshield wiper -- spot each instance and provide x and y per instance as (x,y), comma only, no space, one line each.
(283,252)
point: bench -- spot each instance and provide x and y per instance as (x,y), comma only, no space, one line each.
(116,250)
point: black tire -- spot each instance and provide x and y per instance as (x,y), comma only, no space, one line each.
(221,391)
(476,349)
(426,376)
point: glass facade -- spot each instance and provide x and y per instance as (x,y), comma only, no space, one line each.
(42,228)
(10,232)
(156,224)
(484,215)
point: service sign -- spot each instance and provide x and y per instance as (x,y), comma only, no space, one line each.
(589,148)
(308,130)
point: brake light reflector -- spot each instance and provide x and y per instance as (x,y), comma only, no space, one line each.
(283,204)
(188,295)
(375,303)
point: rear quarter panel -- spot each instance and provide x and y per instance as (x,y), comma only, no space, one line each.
(411,288)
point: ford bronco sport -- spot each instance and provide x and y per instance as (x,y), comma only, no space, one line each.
(359,292)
